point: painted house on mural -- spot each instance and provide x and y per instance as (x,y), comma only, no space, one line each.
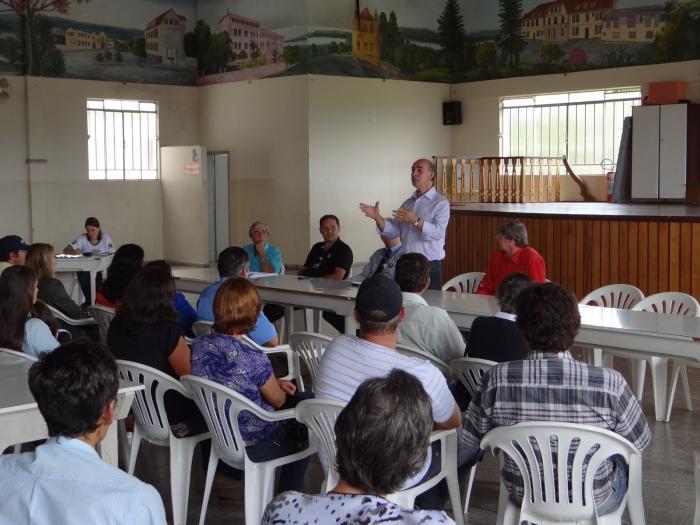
(634,24)
(247,35)
(365,36)
(77,39)
(566,19)
(165,38)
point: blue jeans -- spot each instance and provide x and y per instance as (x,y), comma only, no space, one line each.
(619,487)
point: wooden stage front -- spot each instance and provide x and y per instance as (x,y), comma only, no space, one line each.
(588,245)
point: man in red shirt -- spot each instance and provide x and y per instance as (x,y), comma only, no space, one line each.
(513,255)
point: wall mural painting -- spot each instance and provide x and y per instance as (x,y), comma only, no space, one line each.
(211,41)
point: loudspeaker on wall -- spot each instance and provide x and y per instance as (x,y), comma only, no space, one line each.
(451,113)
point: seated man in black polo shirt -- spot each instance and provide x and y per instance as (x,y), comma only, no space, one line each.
(329,259)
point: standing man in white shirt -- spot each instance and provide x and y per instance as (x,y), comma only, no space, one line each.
(64,481)
(421,221)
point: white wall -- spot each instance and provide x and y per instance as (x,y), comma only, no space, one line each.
(364,134)
(478,135)
(264,126)
(61,195)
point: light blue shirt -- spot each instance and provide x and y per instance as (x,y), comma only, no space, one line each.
(434,210)
(261,333)
(38,338)
(273,254)
(64,482)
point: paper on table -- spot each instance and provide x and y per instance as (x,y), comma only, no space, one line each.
(67,256)
(255,275)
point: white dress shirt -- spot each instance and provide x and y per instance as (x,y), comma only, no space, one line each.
(434,210)
(429,328)
(64,482)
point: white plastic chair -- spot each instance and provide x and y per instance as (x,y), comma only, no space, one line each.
(696,461)
(464,283)
(293,368)
(221,406)
(469,371)
(153,426)
(18,354)
(622,296)
(319,415)
(200,328)
(69,320)
(670,303)
(533,446)
(309,347)
(103,316)
(421,354)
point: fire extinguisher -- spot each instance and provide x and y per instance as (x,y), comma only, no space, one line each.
(609,170)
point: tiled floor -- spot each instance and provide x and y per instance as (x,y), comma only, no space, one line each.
(668,480)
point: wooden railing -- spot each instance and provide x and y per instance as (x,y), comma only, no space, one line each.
(504,179)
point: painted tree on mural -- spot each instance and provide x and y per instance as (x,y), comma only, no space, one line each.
(27,10)
(680,37)
(451,34)
(511,42)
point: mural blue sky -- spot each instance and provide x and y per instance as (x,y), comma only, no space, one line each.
(129,13)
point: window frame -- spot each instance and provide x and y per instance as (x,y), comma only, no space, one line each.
(126,118)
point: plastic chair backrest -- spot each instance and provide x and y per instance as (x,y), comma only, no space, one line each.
(671,303)
(319,416)
(551,458)
(464,283)
(201,328)
(623,296)
(469,371)
(148,406)
(310,347)
(421,354)
(18,354)
(103,316)
(220,407)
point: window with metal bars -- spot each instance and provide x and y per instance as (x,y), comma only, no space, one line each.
(122,139)
(585,126)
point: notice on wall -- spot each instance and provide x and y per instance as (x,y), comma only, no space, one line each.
(191,168)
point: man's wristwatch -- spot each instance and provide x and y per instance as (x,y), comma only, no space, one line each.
(417,222)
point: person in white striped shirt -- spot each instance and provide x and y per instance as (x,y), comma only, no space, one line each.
(349,360)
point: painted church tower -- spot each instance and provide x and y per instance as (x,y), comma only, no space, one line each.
(365,36)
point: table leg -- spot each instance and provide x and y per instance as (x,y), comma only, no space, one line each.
(659,366)
(351,325)
(288,322)
(93,285)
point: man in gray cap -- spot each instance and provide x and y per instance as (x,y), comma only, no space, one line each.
(349,360)
(12,251)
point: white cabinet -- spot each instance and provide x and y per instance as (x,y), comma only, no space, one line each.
(659,151)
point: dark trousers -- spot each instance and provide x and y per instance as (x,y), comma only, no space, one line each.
(335,320)
(435,275)
(84,281)
(273,312)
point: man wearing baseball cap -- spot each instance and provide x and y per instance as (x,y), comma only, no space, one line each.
(12,251)
(349,360)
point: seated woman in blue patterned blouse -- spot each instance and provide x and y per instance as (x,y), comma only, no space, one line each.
(380,438)
(225,358)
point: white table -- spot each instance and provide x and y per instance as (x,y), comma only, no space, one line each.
(637,333)
(20,420)
(94,265)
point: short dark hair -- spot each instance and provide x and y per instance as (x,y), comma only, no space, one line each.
(383,432)
(231,261)
(412,272)
(328,216)
(515,231)
(72,385)
(236,306)
(149,298)
(160,264)
(548,317)
(509,289)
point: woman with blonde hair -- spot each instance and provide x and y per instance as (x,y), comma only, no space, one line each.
(40,257)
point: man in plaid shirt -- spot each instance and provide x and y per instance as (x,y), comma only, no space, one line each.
(551,386)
